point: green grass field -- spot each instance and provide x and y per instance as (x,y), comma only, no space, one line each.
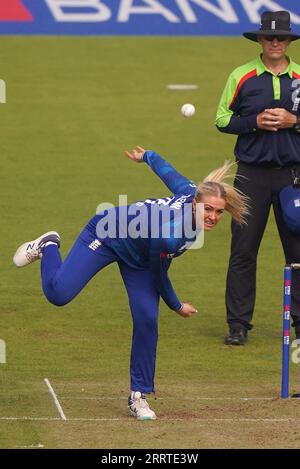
(73,106)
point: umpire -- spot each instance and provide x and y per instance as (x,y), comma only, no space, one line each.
(260,104)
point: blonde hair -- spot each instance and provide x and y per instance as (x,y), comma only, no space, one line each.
(237,203)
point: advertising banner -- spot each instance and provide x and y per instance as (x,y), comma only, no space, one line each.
(138,17)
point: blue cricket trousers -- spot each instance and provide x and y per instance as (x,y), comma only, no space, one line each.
(62,281)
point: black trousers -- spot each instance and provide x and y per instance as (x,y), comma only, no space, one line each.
(262,185)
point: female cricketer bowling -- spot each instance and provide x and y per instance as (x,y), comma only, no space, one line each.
(142,238)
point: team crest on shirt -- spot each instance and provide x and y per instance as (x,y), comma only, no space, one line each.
(95,244)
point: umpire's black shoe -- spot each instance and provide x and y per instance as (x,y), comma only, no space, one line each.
(236,336)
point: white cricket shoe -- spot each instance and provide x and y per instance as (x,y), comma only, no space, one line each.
(31,251)
(139,407)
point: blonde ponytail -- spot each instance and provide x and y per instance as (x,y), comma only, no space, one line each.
(237,203)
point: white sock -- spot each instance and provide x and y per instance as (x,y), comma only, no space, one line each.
(48,244)
(133,394)
(44,246)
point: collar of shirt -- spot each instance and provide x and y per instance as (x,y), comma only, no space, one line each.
(261,68)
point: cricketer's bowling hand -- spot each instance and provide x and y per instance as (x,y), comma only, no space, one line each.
(187,310)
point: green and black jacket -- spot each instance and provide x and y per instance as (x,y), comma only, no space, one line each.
(250,89)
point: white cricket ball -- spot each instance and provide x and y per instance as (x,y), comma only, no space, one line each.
(188,110)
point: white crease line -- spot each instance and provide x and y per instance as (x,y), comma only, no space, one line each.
(101,398)
(162,419)
(198,419)
(181,87)
(39,445)
(56,401)
(31,418)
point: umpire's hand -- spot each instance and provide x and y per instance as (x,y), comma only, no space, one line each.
(275,119)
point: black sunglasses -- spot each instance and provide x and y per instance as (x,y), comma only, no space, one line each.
(279,38)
